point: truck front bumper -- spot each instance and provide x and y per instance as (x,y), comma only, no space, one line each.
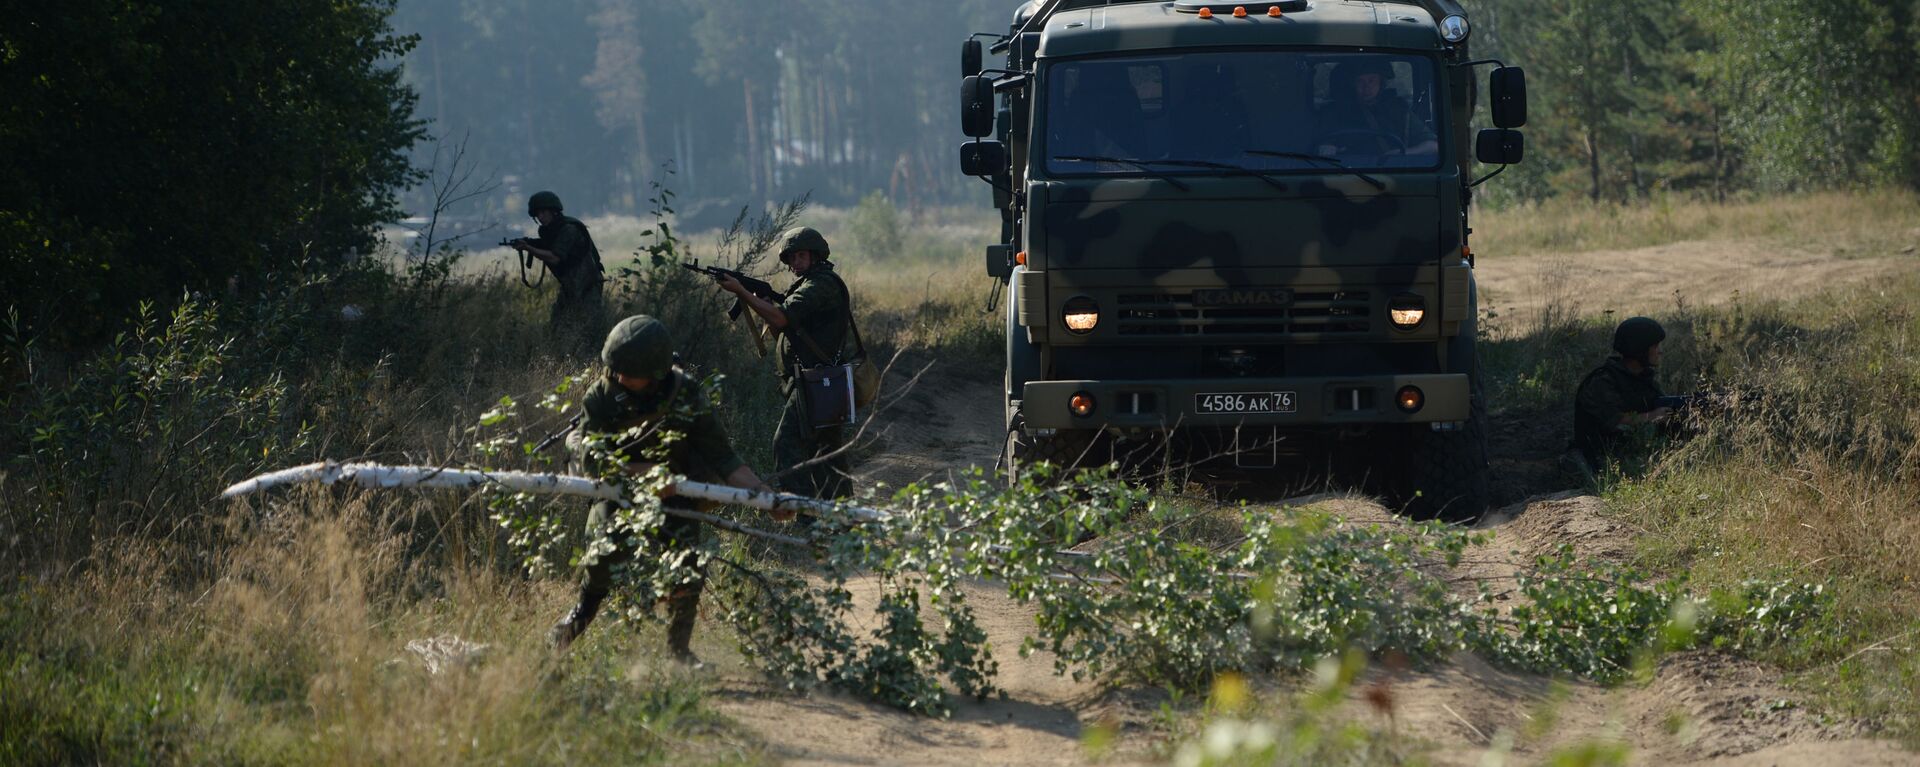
(1172,404)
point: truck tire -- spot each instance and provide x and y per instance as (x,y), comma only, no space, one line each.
(1067,450)
(1448,472)
(1448,475)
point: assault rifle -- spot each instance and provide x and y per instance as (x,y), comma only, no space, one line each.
(757,287)
(526,257)
(572,424)
(1707,404)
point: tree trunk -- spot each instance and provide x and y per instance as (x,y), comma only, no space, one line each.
(1593,162)
(753,143)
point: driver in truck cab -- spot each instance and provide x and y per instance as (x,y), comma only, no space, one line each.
(1365,117)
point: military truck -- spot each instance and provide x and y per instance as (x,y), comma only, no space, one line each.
(1242,229)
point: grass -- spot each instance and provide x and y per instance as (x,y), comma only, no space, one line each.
(1817,482)
(140,623)
(1856,221)
(143,624)
(295,653)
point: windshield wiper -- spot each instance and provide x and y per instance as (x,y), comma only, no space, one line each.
(1142,165)
(1238,170)
(1333,161)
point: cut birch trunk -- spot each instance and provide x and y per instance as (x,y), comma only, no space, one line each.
(380,476)
(373,475)
(377,476)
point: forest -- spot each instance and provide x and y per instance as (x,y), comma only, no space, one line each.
(192,154)
(752,100)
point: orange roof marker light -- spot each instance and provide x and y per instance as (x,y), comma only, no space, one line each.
(1206,13)
(1239,11)
(1273,11)
(1020,258)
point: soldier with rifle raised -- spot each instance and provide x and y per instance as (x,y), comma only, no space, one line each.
(566,248)
(641,400)
(813,319)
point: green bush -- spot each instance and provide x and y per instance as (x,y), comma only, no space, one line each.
(149,149)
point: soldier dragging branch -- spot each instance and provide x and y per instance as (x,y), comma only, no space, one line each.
(652,413)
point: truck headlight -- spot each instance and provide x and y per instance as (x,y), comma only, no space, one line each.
(1407,312)
(1081,315)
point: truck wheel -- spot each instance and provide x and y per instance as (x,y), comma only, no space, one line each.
(1067,449)
(1448,472)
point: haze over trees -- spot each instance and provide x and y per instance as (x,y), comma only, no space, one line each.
(149,148)
(752,100)
(747,100)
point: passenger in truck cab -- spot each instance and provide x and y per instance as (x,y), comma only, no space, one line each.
(1104,116)
(1365,117)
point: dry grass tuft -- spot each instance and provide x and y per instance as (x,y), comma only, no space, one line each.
(1855,220)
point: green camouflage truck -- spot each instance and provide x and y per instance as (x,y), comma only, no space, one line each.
(1242,229)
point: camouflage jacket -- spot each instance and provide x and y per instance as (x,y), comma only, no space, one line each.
(817,305)
(578,270)
(702,453)
(1604,396)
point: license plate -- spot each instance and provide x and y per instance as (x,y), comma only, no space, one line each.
(1230,403)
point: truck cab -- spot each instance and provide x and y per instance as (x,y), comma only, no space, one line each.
(1242,230)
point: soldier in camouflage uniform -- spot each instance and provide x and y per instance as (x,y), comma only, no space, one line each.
(812,321)
(641,397)
(567,249)
(1621,398)
(1366,118)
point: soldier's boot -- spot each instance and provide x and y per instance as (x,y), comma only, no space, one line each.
(575,623)
(682,608)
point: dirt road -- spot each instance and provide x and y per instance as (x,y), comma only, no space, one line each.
(1700,708)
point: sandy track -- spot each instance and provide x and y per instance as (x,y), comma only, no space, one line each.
(1699,708)
(1656,279)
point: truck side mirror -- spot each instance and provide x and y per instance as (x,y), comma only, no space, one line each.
(1501,147)
(976,106)
(983,158)
(999,261)
(972,56)
(1509,92)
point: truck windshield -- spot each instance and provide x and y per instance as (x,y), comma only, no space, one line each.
(1260,110)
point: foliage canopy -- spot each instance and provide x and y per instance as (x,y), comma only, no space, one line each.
(150,148)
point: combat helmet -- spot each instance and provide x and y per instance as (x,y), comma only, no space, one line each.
(639,346)
(1349,71)
(1636,335)
(546,200)
(803,238)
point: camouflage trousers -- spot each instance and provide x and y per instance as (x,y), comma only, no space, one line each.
(675,534)
(579,319)
(796,442)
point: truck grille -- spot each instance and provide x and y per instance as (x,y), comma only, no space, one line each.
(1176,314)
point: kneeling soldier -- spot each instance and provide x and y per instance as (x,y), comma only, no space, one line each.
(1620,398)
(643,396)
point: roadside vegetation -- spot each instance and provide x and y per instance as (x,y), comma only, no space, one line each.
(145,623)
